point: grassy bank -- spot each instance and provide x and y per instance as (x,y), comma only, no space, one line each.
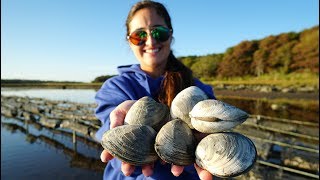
(276,79)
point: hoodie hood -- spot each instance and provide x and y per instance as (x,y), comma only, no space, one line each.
(133,68)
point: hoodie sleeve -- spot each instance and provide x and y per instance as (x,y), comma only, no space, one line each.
(108,97)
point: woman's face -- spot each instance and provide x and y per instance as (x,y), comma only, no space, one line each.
(152,55)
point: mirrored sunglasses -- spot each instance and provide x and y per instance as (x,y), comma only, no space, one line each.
(140,36)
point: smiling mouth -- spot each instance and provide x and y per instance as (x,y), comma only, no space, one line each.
(152,50)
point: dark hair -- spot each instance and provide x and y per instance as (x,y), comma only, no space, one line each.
(177,76)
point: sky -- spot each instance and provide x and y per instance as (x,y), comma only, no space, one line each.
(79,40)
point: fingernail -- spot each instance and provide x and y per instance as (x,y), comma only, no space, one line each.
(148,172)
(176,170)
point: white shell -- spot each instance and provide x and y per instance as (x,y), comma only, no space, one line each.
(226,154)
(146,111)
(211,116)
(184,101)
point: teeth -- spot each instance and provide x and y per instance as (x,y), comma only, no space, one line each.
(152,50)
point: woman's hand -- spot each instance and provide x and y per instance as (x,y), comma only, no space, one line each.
(119,113)
(203,174)
(117,119)
(126,168)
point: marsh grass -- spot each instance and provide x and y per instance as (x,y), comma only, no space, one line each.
(302,103)
(277,79)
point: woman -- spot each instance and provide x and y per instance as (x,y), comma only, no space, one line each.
(159,75)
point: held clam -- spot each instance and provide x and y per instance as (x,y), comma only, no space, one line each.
(184,101)
(226,154)
(133,144)
(211,116)
(147,111)
(175,143)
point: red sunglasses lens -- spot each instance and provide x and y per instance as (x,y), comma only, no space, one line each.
(138,37)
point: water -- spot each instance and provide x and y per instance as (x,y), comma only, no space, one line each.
(32,152)
(73,95)
(29,153)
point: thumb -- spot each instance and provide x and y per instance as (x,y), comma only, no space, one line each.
(119,113)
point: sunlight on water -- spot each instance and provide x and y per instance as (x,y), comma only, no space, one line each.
(73,95)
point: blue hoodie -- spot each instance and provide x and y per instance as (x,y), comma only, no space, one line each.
(132,84)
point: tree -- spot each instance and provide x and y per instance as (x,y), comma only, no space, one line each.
(306,51)
(101,79)
(237,60)
(188,61)
(207,66)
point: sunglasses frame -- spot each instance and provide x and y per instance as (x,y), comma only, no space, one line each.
(143,41)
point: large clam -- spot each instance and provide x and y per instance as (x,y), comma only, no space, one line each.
(226,154)
(147,111)
(133,144)
(175,143)
(211,116)
(184,101)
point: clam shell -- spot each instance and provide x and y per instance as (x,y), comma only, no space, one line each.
(175,143)
(184,101)
(226,154)
(133,144)
(147,111)
(211,116)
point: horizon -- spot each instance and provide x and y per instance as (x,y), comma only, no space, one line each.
(79,41)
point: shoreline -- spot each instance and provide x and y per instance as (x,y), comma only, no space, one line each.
(267,95)
(219,92)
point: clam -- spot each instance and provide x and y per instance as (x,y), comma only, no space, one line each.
(147,111)
(133,144)
(175,143)
(211,116)
(184,101)
(226,154)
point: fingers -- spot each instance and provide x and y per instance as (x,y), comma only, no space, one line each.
(203,174)
(119,113)
(105,156)
(127,169)
(176,170)
(147,170)
(116,118)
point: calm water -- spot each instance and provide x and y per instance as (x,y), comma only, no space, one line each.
(32,152)
(73,95)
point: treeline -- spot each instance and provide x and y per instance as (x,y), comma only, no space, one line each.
(284,53)
(101,78)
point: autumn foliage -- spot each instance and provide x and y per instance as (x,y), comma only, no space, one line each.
(284,53)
